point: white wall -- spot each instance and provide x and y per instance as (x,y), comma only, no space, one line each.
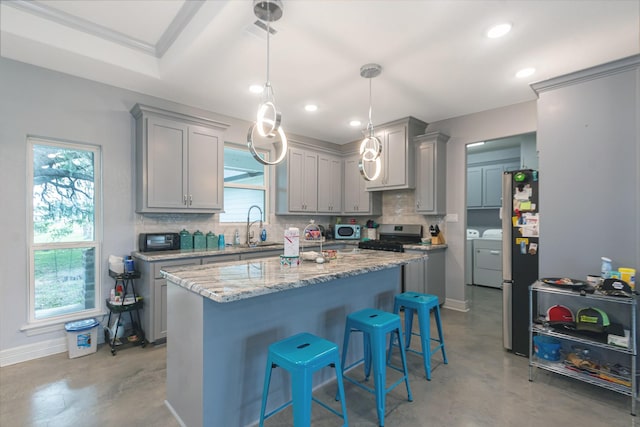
(35,101)
(502,122)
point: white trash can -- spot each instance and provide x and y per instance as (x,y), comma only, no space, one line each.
(82,337)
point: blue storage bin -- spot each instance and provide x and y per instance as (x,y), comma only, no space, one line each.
(546,348)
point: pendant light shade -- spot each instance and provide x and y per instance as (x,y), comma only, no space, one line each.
(370,147)
(267,126)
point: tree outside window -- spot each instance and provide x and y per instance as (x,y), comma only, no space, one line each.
(64,248)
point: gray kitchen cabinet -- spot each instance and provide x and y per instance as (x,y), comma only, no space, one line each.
(297,182)
(474,187)
(357,200)
(179,162)
(397,158)
(329,184)
(492,186)
(431,158)
(484,184)
(428,276)
(153,289)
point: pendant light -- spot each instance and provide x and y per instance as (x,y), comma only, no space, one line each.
(370,147)
(268,120)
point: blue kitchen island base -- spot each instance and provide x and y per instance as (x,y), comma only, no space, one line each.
(216,351)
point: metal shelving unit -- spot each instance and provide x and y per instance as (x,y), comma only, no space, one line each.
(562,368)
(137,336)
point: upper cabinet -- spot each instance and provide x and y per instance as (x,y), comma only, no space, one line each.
(431,159)
(357,200)
(179,162)
(298,182)
(397,158)
(329,184)
(309,181)
(484,184)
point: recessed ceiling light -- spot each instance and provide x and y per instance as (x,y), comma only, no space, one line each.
(498,30)
(525,72)
(355,123)
(311,107)
(256,88)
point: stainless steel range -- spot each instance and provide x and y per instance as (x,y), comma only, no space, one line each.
(393,237)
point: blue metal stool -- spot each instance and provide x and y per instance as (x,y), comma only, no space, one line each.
(422,304)
(302,355)
(375,325)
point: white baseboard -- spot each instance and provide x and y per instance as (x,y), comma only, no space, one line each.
(455,304)
(33,351)
(174,413)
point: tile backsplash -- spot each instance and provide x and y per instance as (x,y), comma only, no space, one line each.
(398,206)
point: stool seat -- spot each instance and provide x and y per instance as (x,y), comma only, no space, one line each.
(301,355)
(422,304)
(375,325)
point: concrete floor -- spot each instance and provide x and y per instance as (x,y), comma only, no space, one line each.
(482,385)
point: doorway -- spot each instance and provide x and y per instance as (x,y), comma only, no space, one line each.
(486,161)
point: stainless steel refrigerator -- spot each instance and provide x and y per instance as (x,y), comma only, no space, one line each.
(520,250)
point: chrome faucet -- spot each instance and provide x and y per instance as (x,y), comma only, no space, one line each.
(249,224)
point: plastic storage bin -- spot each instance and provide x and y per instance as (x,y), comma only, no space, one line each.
(546,348)
(82,337)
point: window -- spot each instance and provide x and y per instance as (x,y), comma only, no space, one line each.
(245,184)
(64,247)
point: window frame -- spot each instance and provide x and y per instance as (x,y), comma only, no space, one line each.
(265,187)
(96,243)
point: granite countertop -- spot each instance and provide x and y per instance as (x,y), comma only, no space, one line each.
(229,250)
(236,280)
(426,248)
(194,253)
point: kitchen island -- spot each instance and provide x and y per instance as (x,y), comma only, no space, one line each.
(223,317)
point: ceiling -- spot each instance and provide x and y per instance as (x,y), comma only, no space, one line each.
(437,62)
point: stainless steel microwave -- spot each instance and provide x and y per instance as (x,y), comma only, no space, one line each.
(150,242)
(347,232)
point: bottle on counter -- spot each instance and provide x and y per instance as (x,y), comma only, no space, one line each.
(236,238)
(221,241)
(605,270)
(263,235)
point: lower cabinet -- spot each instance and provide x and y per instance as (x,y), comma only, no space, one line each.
(428,276)
(153,289)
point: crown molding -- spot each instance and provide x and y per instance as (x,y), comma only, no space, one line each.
(610,68)
(170,35)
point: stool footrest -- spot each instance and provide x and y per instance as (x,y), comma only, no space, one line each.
(280,408)
(359,384)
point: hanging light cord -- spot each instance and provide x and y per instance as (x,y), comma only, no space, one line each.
(268,31)
(370,125)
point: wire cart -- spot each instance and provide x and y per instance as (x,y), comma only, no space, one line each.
(128,304)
